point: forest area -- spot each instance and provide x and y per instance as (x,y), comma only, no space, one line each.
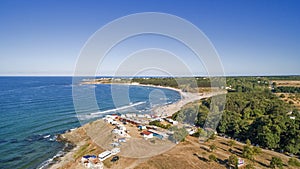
(252,112)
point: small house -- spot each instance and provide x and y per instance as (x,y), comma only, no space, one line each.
(147,134)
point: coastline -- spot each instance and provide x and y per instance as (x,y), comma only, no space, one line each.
(161,111)
(186,97)
(169,109)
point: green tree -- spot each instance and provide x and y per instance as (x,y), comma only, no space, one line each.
(212,147)
(248,142)
(233,161)
(256,151)
(212,157)
(178,135)
(276,162)
(213,136)
(231,143)
(292,136)
(248,151)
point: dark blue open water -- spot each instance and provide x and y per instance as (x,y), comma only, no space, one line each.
(35,109)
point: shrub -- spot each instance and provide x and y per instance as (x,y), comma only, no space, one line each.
(249,166)
(212,157)
(294,162)
(233,161)
(276,161)
(212,147)
(231,143)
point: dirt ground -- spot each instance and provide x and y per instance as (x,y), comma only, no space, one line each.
(295,83)
(295,98)
(190,154)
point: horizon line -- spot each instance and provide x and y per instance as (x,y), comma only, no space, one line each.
(162,76)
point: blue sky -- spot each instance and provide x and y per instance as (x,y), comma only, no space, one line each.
(252,37)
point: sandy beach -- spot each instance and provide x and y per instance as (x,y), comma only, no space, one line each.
(169,109)
(186,97)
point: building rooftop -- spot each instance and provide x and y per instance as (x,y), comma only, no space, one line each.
(146,133)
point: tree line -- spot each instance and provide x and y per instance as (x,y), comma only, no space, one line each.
(286,89)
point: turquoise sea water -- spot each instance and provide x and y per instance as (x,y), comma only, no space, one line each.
(33,110)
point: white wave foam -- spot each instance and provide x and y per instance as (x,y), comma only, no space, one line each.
(100,113)
(46,163)
(47,136)
(119,108)
(53,138)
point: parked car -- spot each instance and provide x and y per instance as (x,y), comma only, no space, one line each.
(115,158)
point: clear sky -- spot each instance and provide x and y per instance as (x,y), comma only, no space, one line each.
(252,37)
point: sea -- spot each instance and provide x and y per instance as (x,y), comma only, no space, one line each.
(34,110)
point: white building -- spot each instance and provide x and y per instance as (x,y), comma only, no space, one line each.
(147,134)
(91,162)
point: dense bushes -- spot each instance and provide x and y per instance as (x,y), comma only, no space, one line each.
(286,89)
(174,82)
(294,162)
(158,124)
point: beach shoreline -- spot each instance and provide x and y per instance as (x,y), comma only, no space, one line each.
(168,109)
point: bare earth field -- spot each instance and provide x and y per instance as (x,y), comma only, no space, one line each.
(295,83)
(189,154)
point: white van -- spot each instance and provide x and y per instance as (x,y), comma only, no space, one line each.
(104,155)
